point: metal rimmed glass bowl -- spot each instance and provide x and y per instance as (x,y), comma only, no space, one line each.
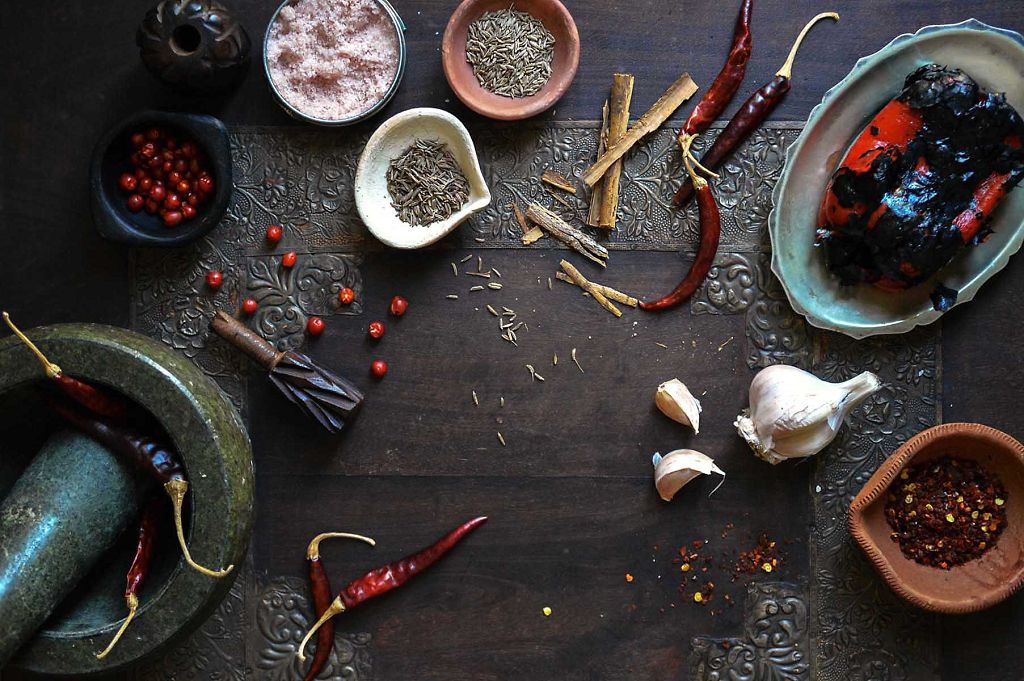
(355,118)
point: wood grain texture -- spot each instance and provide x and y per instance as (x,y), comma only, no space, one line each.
(570,497)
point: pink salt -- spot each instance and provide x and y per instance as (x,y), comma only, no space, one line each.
(333,59)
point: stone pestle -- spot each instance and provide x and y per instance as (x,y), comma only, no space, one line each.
(66,509)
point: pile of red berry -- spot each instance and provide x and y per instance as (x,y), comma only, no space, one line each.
(169,177)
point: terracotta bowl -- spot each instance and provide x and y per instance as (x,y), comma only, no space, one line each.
(553,15)
(977,584)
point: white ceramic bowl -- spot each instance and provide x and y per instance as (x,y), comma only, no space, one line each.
(992,56)
(390,140)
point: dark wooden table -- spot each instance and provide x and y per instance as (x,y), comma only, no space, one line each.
(570,496)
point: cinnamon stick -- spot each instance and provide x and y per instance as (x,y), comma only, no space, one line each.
(558,180)
(530,234)
(677,93)
(594,215)
(581,281)
(572,237)
(608,291)
(618,123)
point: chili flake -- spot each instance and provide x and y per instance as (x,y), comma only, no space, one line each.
(957,511)
(629,578)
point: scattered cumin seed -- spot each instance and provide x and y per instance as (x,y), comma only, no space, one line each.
(507,310)
(493,311)
(662,345)
(549,283)
(455,270)
(485,275)
(501,439)
(501,401)
(577,361)
(452,296)
(479,264)
(476,288)
(479,239)
(476,400)
(725,343)
(468,257)
(494,285)
(554,360)
(495,270)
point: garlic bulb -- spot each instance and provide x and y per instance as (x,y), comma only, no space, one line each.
(679,467)
(795,414)
(675,401)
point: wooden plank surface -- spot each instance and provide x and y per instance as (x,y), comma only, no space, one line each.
(570,495)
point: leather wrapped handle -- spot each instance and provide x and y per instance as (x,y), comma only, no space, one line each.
(245,339)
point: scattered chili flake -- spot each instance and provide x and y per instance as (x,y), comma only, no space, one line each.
(698,597)
(629,578)
(547,611)
(765,557)
(956,514)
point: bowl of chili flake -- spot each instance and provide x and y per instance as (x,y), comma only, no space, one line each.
(940,518)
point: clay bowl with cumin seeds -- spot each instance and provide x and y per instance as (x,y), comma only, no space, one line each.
(971,586)
(464,84)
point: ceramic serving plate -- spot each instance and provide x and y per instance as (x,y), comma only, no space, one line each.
(993,57)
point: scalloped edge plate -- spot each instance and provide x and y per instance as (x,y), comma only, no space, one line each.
(988,54)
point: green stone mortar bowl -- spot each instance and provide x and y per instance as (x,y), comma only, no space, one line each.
(208,433)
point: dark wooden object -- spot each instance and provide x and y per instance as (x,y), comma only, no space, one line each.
(571,502)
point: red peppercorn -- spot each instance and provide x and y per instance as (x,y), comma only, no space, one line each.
(376,330)
(172,202)
(183,187)
(249,306)
(172,218)
(346,296)
(398,306)
(193,199)
(174,177)
(274,233)
(214,279)
(166,166)
(289,259)
(138,139)
(128,182)
(148,150)
(157,192)
(379,368)
(136,202)
(188,212)
(152,206)
(145,184)
(205,183)
(315,326)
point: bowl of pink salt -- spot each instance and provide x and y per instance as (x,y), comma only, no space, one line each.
(334,62)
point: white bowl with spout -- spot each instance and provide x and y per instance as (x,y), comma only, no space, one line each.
(390,141)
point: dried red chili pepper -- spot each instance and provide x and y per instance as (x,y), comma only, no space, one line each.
(751,114)
(147,454)
(725,84)
(92,398)
(320,587)
(139,570)
(710,233)
(390,576)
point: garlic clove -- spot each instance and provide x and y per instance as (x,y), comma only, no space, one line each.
(676,401)
(679,467)
(794,414)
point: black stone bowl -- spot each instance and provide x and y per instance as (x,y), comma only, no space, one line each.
(111,158)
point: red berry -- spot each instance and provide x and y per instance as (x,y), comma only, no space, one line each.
(148,150)
(214,279)
(152,206)
(289,259)
(157,192)
(168,156)
(153,134)
(166,166)
(136,202)
(378,368)
(274,233)
(205,183)
(398,306)
(315,326)
(188,211)
(172,218)
(183,187)
(192,199)
(138,139)
(145,184)
(376,330)
(128,182)
(174,177)
(249,306)
(172,202)
(346,296)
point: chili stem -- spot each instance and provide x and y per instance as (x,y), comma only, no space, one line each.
(177,489)
(787,68)
(52,370)
(133,606)
(335,608)
(313,550)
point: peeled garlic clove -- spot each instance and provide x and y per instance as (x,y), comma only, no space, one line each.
(676,402)
(794,414)
(679,467)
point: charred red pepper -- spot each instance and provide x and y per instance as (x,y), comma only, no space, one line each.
(139,570)
(710,233)
(920,182)
(97,401)
(390,576)
(750,116)
(320,587)
(148,455)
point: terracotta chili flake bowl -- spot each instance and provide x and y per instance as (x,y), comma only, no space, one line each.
(553,15)
(977,584)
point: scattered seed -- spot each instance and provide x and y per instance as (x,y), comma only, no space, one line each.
(501,401)
(549,283)
(485,275)
(577,361)
(492,311)
(494,285)
(662,345)
(554,360)
(455,270)
(479,239)
(501,439)
(479,264)
(546,610)
(495,270)
(476,400)
(725,343)
(507,310)
(476,288)
(468,257)
(452,296)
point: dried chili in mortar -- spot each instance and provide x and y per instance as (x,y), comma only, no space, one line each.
(148,455)
(390,576)
(94,399)
(320,588)
(750,116)
(139,570)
